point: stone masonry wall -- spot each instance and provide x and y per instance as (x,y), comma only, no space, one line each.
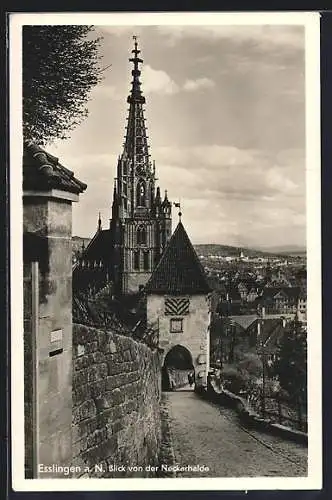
(116,411)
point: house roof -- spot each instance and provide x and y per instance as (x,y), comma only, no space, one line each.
(99,247)
(249,283)
(42,171)
(271,331)
(179,270)
(244,320)
(290,292)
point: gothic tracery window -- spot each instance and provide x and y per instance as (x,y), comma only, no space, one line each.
(140,195)
(146,261)
(141,235)
(136,260)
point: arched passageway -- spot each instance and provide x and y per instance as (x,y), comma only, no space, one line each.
(178,370)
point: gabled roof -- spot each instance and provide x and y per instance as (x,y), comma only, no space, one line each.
(42,171)
(179,270)
(271,330)
(244,320)
(99,247)
(290,292)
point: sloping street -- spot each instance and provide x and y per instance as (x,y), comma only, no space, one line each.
(208,435)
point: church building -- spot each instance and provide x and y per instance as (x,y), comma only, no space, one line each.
(141,224)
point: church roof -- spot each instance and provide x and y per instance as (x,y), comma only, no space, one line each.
(179,270)
(42,171)
(99,247)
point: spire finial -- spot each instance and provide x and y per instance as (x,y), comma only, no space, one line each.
(136,93)
(99,222)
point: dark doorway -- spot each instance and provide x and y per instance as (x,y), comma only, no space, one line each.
(178,370)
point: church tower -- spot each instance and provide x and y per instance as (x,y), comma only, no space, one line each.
(141,220)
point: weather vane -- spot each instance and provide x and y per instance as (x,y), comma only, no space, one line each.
(178,205)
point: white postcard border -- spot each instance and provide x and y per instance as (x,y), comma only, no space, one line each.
(312,28)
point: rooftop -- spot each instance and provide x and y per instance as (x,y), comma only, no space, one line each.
(179,270)
(42,171)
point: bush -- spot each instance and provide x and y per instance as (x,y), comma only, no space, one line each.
(234,379)
(252,364)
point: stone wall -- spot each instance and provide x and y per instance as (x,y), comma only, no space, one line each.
(116,411)
(195,335)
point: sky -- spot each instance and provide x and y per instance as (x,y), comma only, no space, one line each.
(225,110)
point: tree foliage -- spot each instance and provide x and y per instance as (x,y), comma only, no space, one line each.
(60,67)
(291,363)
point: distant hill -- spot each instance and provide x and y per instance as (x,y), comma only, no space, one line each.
(216,249)
(229,251)
(289,250)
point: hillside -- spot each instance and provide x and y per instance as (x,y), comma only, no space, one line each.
(203,249)
(228,251)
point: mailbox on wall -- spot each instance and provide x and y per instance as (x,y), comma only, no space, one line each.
(56,342)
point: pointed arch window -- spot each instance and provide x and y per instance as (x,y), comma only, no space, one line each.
(136,260)
(146,261)
(140,194)
(141,235)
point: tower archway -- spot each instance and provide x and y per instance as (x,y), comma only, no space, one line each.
(178,369)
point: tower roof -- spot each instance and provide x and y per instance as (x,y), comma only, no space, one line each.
(179,270)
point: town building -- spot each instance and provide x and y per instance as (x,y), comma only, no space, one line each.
(280,300)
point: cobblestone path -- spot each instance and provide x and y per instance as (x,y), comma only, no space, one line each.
(209,435)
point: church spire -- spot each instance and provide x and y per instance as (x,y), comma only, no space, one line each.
(115,205)
(136,147)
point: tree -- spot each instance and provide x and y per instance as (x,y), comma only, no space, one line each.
(60,67)
(291,362)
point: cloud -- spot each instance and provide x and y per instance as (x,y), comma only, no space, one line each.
(200,83)
(155,81)
(158,81)
(208,155)
(258,36)
(251,189)
(276,180)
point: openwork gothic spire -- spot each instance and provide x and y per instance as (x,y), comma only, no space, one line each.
(136,145)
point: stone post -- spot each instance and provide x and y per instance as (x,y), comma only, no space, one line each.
(47,235)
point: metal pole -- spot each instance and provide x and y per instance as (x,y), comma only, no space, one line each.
(35,365)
